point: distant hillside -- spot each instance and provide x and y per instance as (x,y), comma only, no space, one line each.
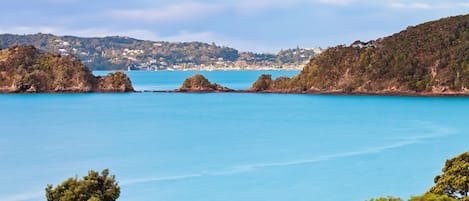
(429,58)
(24,69)
(117,53)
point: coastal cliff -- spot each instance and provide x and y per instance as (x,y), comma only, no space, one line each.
(428,59)
(25,69)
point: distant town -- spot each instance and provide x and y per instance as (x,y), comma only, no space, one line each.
(124,53)
(246,61)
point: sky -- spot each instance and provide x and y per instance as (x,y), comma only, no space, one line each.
(247,25)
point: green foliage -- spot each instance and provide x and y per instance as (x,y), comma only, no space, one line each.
(452,185)
(27,69)
(454,181)
(107,53)
(196,81)
(264,82)
(281,83)
(424,197)
(418,59)
(93,187)
(432,197)
(389,198)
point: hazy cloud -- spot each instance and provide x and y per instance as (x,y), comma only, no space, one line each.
(256,25)
(434,5)
(63,1)
(171,13)
(28,29)
(335,2)
(410,5)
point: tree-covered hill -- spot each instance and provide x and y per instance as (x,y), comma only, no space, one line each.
(431,58)
(25,69)
(118,53)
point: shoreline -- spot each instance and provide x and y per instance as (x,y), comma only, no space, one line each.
(246,91)
(328,93)
(377,94)
(197,70)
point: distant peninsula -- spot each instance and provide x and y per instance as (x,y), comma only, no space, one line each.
(125,53)
(25,69)
(430,59)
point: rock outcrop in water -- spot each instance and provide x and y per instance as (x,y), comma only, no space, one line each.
(198,83)
(24,69)
(428,59)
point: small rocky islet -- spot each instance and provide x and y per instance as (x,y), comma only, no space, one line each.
(25,69)
(198,83)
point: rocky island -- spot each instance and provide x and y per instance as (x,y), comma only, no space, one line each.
(25,69)
(431,59)
(198,83)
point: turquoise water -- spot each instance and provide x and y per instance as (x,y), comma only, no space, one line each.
(229,147)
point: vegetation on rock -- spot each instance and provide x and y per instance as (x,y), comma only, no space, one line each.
(264,82)
(429,58)
(198,83)
(280,85)
(93,187)
(25,69)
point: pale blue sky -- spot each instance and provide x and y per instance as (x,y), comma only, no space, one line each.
(248,25)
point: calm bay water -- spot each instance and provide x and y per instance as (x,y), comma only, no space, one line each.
(229,147)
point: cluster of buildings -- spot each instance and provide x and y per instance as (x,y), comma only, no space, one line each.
(136,59)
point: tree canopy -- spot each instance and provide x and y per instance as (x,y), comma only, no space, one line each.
(432,197)
(389,198)
(452,185)
(454,181)
(93,187)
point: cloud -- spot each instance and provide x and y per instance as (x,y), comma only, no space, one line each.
(421,6)
(410,5)
(171,13)
(258,5)
(249,6)
(28,29)
(143,34)
(186,36)
(335,2)
(88,32)
(63,1)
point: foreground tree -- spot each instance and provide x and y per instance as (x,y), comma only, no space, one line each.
(454,181)
(452,185)
(93,187)
(389,198)
(432,197)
